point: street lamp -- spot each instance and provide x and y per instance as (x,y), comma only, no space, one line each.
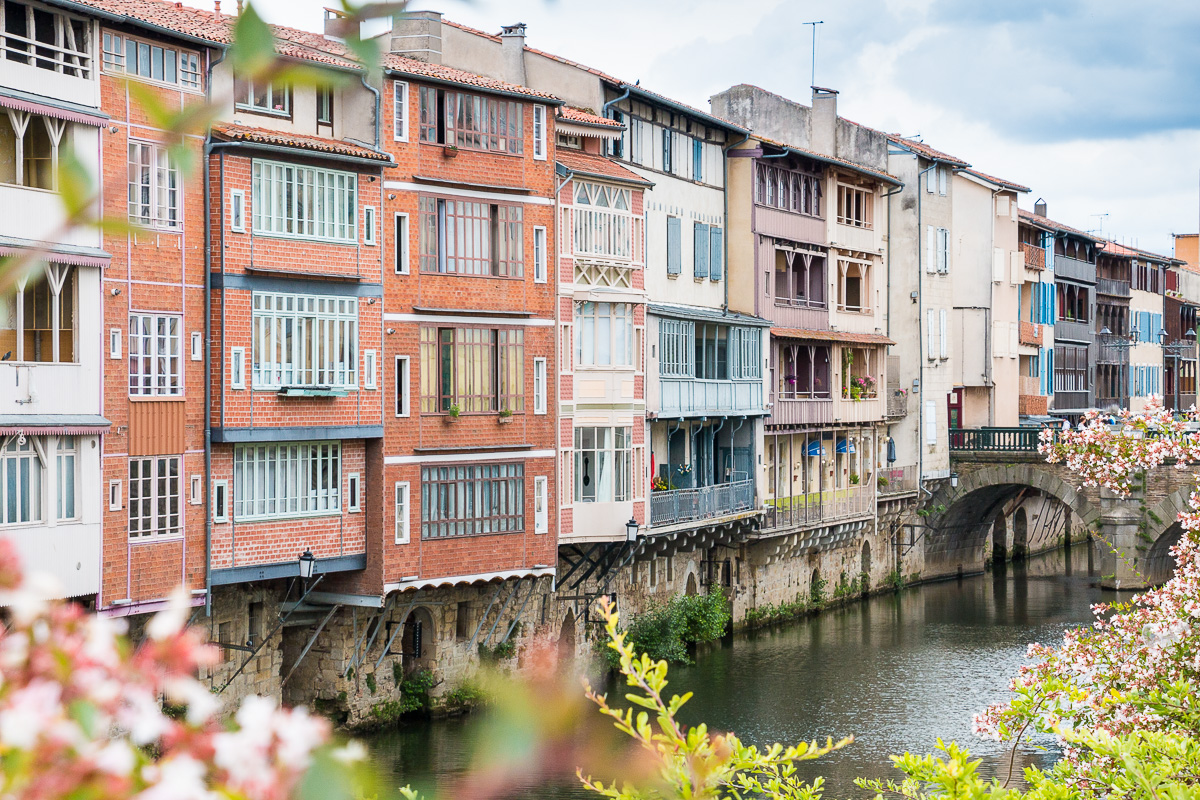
(953,480)
(1176,350)
(308,564)
(631,530)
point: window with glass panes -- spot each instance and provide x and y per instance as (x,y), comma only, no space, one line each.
(603,464)
(304,340)
(65,464)
(604,334)
(676,345)
(286,480)
(154,359)
(788,190)
(472,500)
(20,482)
(470,121)
(603,222)
(125,54)
(154,186)
(154,497)
(466,237)
(263,97)
(855,206)
(306,202)
(476,369)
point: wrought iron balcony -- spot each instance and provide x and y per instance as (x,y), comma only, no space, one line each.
(705,502)
(819,507)
(897,480)
(1035,257)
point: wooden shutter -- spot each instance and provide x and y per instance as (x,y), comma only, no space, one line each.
(716,253)
(930,262)
(700,250)
(997,264)
(674,245)
(1014,340)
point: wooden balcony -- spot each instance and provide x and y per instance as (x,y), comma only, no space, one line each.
(1112,287)
(1035,257)
(1031,333)
(1074,269)
(804,411)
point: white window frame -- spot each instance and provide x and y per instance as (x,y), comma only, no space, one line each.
(157,529)
(539,133)
(299,457)
(269,179)
(115,60)
(540,272)
(942,250)
(197,346)
(540,375)
(353,490)
(114,343)
(114,496)
(585,334)
(541,504)
(309,315)
(220,501)
(942,174)
(943,340)
(237,368)
(150,357)
(403,512)
(150,167)
(930,333)
(30,451)
(369,368)
(370,225)
(269,109)
(237,210)
(400,231)
(66,463)
(402,396)
(400,111)
(196,490)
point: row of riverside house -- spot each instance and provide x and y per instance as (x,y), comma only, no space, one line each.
(421,362)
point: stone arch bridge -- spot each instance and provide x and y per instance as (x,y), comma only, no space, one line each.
(997,467)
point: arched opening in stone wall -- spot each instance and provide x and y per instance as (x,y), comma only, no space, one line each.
(1159,565)
(865,577)
(1020,535)
(814,582)
(566,639)
(691,585)
(999,541)
(419,641)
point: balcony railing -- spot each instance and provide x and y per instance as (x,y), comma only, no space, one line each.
(898,480)
(994,440)
(1112,287)
(1073,330)
(1112,349)
(603,234)
(1035,257)
(706,502)
(694,396)
(801,412)
(1074,269)
(1071,400)
(1032,333)
(817,507)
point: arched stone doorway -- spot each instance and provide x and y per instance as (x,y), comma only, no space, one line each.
(999,540)
(419,641)
(566,639)
(814,583)
(865,575)
(1159,565)
(691,585)
(1020,547)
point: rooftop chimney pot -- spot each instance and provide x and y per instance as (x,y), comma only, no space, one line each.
(823,121)
(1039,207)
(512,45)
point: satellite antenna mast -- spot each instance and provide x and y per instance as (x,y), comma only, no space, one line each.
(1100,222)
(814,48)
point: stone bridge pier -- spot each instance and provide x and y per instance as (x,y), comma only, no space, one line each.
(998,486)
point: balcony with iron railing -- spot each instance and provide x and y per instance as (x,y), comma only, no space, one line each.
(1032,333)
(814,508)
(1035,256)
(703,503)
(697,397)
(897,480)
(1112,287)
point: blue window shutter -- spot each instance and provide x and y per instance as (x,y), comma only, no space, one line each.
(716,253)
(674,246)
(701,250)
(697,160)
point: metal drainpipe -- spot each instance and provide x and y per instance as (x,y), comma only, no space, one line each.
(378,114)
(921,339)
(725,200)
(888,272)
(208,356)
(713,440)
(604,109)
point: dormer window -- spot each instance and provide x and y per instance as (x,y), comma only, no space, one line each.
(568,140)
(261,97)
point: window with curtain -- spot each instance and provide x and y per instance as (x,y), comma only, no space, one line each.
(604,334)
(466,237)
(479,370)
(20,482)
(154,356)
(472,500)
(304,340)
(155,187)
(286,480)
(471,121)
(603,464)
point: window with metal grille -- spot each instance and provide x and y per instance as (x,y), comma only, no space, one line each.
(154,360)
(154,187)
(470,238)
(154,497)
(304,340)
(476,369)
(471,500)
(305,202)
(286,480)
(470,121)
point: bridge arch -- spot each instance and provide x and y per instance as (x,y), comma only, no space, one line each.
(955,538)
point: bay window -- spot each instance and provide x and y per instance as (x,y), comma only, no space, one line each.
(472,500)
(286,480)
(603,221)
(466,237)
(154,497)
(470,121)
(708,351)
(603,464)
(477,370)
(304,340)
(604,334)
(305,202)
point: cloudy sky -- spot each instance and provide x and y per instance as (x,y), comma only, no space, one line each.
(1092,103)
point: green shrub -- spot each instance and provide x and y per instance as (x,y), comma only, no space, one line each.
(664,631)
(468,695)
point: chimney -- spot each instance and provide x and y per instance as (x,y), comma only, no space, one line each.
(512,45)
(418,34)
(823,121)
(1039,207)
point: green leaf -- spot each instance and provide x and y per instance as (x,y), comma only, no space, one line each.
(253,50)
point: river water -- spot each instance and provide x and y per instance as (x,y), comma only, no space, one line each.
(897,672)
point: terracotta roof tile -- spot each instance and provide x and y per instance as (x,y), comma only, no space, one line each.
(231,132)
(1046,222)
(1113,248)
(581,117)
(926,151)
(831,159)
(998,181)
(410,66)
(831,336)
(583,163)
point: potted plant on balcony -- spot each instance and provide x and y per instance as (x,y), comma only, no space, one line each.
(854,479)
(882,481)
(452,413)
(450,151)
(506,416)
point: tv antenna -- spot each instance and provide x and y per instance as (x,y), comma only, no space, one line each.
(814,48)
(1100,222)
